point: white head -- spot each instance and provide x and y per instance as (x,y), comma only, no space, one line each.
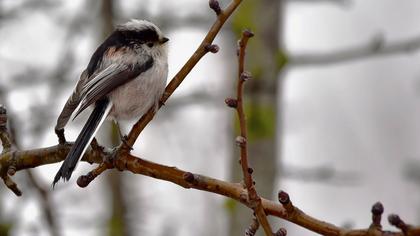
(146,35)
(139,25)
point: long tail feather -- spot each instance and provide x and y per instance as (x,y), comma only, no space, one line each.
(102,108)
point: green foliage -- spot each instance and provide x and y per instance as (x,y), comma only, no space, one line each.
(261,120)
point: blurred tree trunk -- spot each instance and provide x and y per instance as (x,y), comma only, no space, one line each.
(263,94)
(117,225)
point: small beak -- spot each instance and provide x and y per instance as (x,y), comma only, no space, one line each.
(163,40)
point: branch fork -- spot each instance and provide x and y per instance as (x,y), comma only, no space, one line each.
(7,171)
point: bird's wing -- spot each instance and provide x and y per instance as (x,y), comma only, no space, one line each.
(72,102)
(109,79)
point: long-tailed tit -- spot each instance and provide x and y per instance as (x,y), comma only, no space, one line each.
(124,78)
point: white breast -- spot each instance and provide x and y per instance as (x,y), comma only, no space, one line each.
(134,98)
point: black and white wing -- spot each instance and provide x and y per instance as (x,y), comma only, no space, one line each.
(72,102)
(111,78)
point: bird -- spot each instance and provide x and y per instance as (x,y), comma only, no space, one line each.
(126,75)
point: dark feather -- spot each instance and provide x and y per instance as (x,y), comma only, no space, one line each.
(79,147)
(110,81)
(71,104)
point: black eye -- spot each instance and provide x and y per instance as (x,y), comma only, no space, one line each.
(150,44)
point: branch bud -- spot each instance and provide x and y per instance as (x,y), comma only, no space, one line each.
(283,197)
(231,102)
(281,232)
(248,33)
(189,177)
(84,180)
(396,221)
(213,48)
(377,209)
(11,170)
(246,76)
(240,141)
(215,6)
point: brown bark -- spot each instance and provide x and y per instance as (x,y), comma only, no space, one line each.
(263,95)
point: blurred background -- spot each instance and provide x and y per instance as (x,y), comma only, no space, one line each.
(333,114)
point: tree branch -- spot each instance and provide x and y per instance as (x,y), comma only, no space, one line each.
(377,46)
(6,140)
(241,140)
(37,157)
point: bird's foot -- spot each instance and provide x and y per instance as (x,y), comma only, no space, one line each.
(125,145)
(61,136)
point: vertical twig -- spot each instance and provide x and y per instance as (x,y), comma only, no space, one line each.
(241,140)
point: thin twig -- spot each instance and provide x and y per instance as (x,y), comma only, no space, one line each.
(84,180)
(243,76)
(242,140)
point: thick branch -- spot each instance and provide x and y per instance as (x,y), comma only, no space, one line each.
(376,47)
(37,157)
